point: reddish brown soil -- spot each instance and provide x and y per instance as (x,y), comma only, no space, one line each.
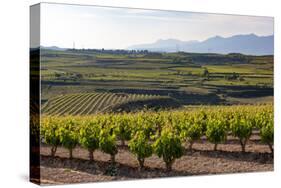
(203,160)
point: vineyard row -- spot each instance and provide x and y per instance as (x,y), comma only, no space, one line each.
(89,103)
(161,133)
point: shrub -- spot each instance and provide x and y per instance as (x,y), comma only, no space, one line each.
(205,73)
(216,131)
(267,134)
(68,135)
(241,128)
(168,146)
(89,137)
(144,122)
(139,145)
(107,143)
(122,128)
(49,132)
(192,130)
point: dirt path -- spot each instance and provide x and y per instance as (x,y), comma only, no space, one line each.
(203,160)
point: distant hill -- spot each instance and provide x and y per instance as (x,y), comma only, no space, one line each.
(55,48)
(250,44)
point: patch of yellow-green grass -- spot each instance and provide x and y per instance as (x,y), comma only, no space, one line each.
(185,70)
(240,68)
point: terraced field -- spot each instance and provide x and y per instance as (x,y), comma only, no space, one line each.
(92,103)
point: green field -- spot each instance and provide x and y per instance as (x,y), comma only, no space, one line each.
(72,79)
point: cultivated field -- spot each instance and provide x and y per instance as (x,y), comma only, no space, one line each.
(189,78)
(93,103)
(118,114)
(157,144)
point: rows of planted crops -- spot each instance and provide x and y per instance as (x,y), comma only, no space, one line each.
(162,133)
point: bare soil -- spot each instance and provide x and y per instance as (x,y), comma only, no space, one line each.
(201,161)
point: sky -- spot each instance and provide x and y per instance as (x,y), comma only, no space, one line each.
(119,28)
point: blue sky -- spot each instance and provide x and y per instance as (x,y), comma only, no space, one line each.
(118,28)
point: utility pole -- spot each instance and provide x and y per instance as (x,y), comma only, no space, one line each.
(177,48)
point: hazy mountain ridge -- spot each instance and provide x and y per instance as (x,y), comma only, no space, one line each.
(247,44)
(55,48)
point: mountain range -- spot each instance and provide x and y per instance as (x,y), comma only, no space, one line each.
(55,48)
(249,44)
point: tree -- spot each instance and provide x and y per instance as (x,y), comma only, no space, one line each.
(205,73)
(79,76)
(233,76)
(57,75)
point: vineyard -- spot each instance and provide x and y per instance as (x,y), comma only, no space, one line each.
(158,133)
(92,103)
(115,115)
